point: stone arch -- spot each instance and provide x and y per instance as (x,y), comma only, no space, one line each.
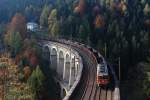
(53,51)
(73,59)
(72,71)
(54,59)
(67,68)
(73,66)
(60,64)
(77,68)
(61,55)
(67,57)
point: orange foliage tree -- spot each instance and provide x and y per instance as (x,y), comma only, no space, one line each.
(16,32)
(81,7)
(18,24)
(99,21)
(31,55)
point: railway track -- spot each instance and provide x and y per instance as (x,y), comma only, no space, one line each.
(87,88)
(90,91)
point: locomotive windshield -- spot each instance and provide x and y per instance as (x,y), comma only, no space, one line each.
(102,68)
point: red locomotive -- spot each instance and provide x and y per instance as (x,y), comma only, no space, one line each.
(102,77)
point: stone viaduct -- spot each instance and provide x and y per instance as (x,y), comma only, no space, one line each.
(65,63)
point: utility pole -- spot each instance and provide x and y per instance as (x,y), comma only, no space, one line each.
(119,69)
(105,50)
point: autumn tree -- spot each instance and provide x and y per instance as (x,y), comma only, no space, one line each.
(18,24)
(80,9)
(31,56)
(16,32)
(99,21)
(52,18)
(99,24)
(54,27)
